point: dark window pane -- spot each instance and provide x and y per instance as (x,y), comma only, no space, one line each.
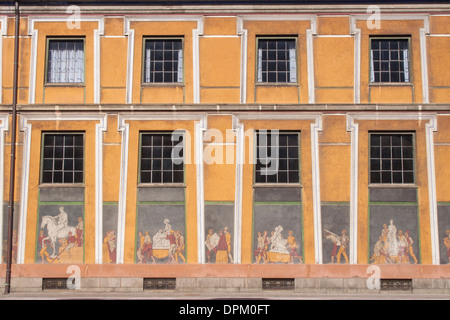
(294,177)
(146,177)
(375,177)
(408,177)
(374,165)
(397,177)
(283,177)
(167,177)
(375,152)
(386,177)
(47,177)
(178,176)
(156,177)
(57,177)
(396,164)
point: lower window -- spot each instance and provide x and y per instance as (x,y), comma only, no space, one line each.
(161,158)
(62,158)
(277,157)
(392,158)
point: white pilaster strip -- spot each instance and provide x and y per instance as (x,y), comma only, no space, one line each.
(200,128)
(356,32)
(3,32)
(124,128)
(424,59)
(353,234)
(430,128)
(315,128)
(4,126)
(243,33)
(99,129)
(238,128)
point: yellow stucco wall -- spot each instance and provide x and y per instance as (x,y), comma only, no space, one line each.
(220,75)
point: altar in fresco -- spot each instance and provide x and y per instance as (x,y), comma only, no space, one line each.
(394,246)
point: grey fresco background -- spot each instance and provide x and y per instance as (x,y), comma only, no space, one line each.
(444,224)
(335,218)
(217,217)
(269,216)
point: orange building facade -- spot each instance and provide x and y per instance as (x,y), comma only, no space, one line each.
(224,145)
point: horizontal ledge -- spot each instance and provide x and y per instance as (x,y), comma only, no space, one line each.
(168,107)
(393,186)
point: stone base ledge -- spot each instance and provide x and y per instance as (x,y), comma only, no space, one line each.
(233,285)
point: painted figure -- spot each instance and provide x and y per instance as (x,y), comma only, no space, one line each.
(109,247)
(45,242)
(259,252)
(61,218)
(222,249)
(79,229)
(342,249)
(228,239)
(180,246)
(409,247)
(392,239)
(172,247)
(278,244)
(210,244)
(335,239)
(447,244)
(292,246)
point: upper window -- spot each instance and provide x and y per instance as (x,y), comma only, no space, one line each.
(65,61)
(389,60)
(277,60)
(62,158)
(278,157)
(163,61)
(161,158)
(391,158)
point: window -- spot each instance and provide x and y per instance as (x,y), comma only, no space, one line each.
(63,158)
(163,61)
(391,158)
(65,61)
(389,60)
(277,62)
(277,157)
(161,159)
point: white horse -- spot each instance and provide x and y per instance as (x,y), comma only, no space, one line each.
(55,232)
